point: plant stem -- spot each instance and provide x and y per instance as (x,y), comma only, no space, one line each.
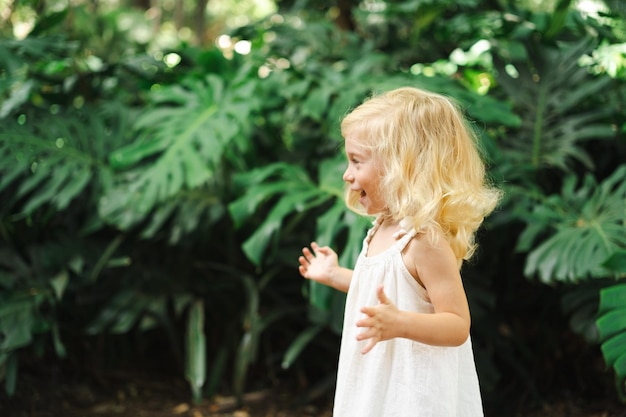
(541,106)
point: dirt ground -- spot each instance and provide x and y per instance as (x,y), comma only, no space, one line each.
(132,395)
(126,395)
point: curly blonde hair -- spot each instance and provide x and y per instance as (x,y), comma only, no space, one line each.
(432,171)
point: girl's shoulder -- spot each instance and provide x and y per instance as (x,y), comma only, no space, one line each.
(428,242)
(427,248)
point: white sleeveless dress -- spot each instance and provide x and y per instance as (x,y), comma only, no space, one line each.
(399,377)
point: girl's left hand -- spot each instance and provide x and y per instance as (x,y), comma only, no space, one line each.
(379,323)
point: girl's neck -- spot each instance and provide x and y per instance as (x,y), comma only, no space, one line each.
(386,220)
(383,237)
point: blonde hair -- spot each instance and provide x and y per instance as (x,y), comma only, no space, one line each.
(432,172)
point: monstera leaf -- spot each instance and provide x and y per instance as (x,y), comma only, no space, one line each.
(584,225)
(185,137)
(295,192)
(553,91)
(50,160)
(611,324)
(586,240)
(292,192)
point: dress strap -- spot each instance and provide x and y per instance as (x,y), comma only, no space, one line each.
(402,236)
(368,237)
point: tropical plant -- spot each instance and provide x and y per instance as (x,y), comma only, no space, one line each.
(558,98)
(581,237)
(612,331)
(294,191)
(184,138)
(566,105)
(168,192)
(587,228)
(55,139)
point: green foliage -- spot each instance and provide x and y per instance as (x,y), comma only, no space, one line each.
(297,195)
(612,328)
(30,64)
(176,198)
(52,160)
(195,370)
(585,226)
(33,286)
(52,164)
(300,194)
(558,99)
(185,137)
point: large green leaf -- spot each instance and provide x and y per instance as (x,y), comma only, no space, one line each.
(129,309)
(17,320)
(298,345)
(611,324)
(291,191)
(195,369)
(554,93)
(50,163)
(336,224)
(585,227)
(186,137)
(294,193)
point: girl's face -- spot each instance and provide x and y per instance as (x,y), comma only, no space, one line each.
(363,176)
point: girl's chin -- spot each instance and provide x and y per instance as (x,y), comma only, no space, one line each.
(363,201)
(369,209)
(367,206)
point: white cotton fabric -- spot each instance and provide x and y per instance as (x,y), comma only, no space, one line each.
(399,377)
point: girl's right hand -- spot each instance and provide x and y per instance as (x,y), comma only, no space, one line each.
(318,265)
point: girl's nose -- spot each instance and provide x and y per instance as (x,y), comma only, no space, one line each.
(347,176)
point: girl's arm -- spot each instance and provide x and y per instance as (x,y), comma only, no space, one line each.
(449,325)
(322,265)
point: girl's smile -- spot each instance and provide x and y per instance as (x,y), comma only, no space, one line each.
(363,176)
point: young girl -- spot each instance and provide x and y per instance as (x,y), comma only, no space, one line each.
(413,164)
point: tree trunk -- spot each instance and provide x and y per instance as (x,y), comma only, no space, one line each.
(156,14)
(142,4)
(200,21)
(179,14)
(345,20)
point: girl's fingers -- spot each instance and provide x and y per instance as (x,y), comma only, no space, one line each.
(365,334)
(382,297)
(370,311)
(368,347)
